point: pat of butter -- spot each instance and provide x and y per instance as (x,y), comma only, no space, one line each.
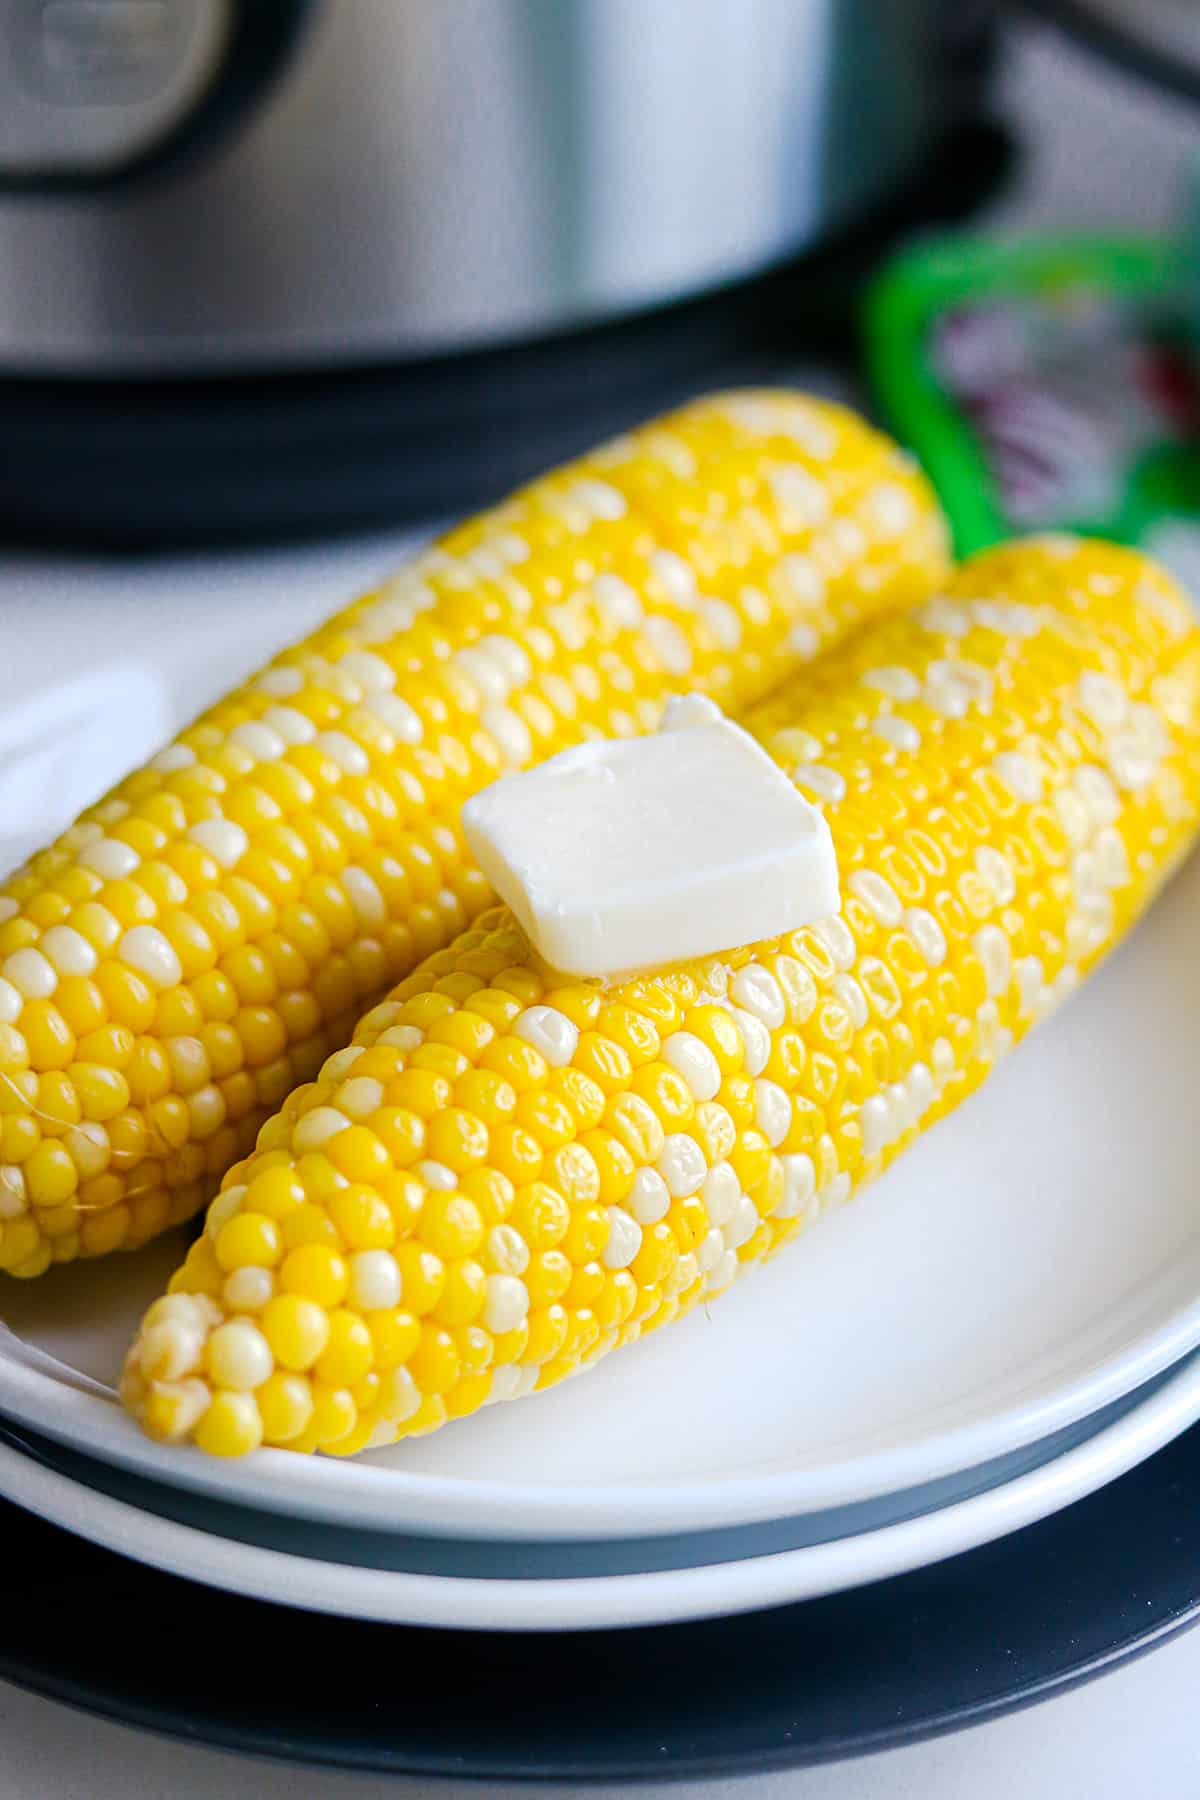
(622,855)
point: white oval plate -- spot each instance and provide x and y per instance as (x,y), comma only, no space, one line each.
(1032,1259)
(601,1602)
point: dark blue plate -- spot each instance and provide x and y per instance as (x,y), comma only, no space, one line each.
(946,1646)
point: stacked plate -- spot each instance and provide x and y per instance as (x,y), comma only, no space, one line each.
(1007,1321)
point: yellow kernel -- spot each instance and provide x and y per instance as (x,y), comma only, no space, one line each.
(492,1193)
(541,1215)
(231,1426)
(463,1031)
(362,1217)
(349,1353)
(297,1329)
(48,1037)
(602,1061)
(395,1334)
(334,1414)
(488,1096)
(458,1139)
(103,1092)
(50,1175)
(667,1092)
(357,1154)
(434,1364)
(285,1406)
(419,1091)
(451,1225)
(422,1277)
(464,1294)
(249,1239)
(315,1272)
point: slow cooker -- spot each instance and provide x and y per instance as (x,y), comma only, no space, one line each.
(289,262)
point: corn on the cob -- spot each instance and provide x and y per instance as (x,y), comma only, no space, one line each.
(201,939)
(509,1173)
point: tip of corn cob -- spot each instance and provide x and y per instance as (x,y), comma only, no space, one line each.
(502,1180)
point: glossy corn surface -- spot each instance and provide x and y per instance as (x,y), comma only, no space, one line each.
(199,941)
(509,1174)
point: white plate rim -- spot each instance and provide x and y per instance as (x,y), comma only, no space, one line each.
(372,1498)
(606,1602)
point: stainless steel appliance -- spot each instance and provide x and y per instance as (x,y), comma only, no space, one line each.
(199,189)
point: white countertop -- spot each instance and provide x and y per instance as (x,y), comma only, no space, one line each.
(1102,152)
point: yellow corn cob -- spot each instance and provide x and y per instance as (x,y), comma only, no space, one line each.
(205,936)
(508,1173)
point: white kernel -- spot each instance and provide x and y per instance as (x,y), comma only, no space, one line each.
(690,1057)
(887,508)
(926,935)
(292,726)
(756,991)
(618,601)
(900,733)
(600,498)
(723,1273)
(675,575)
(338,1066)
(312,1129)
(550,1032)
(1020,775)
(1031,981)
(365,897)
(280,683)
(995,953)
(624,1239)
(509,732)
(13,1199)
(437,1175)
(511,656)
(723,621)
(875,1123)
(891,679)
(507,1250)
(1095,788)
(239,1356)
(800,578)
(397,715)
(800,497)
(109,858)
(225,841)
(68,950)
(402,1397)
(374,1280)
(804,640)
(10,1002)
(836,1193)
(32,974)
(720,1193)
(743,1225)
(89,1148)
(949,699)
(669,645)
(649,1197)
(682,1164)
(485,674)
(226,1205)
(878,896)
(756,1041)
(506,1383)
(921,1089)
(820,780)
(1109,850)
(506,1304)
(799,1185)
(257,738)
(996,870)
(838,939)
(173,758)
(402,1037)
(1104,700)
(772,1110)
(343,750)
(711,1250)
(248,1289)
(1133,767)
(945,617)
(359,1098)
(170,1349)
(852,998)
(372,673)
